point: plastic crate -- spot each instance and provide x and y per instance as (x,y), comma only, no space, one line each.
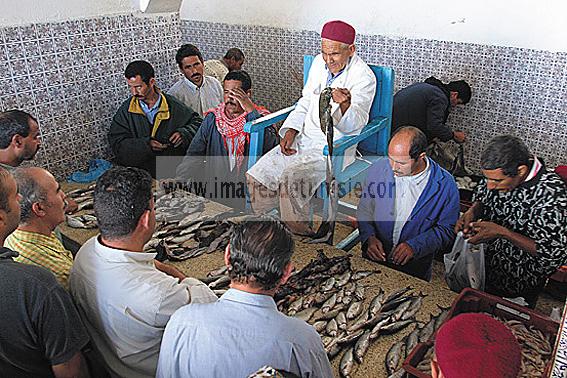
(471,300)
(414,358)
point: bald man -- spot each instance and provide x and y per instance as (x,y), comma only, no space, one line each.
(408,208)
(42,206)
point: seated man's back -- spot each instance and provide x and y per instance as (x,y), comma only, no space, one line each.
(40,327)
(235,336)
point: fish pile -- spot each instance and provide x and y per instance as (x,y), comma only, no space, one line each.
(400,350)
(217,280)
(535,347)
(330,296)
(178,205)
(84,199)
(465,182)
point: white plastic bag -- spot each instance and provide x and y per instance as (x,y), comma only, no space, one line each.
(464,266)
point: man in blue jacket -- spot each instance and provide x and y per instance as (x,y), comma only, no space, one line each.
(408,208)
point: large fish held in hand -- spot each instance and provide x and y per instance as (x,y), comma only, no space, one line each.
(326,231)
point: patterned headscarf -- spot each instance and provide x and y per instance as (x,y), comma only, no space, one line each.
(232,130)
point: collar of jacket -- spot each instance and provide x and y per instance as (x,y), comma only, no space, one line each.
(163,111)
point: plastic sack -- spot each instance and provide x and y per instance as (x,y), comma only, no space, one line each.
(464,266)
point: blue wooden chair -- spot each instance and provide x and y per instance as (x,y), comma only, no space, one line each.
(372,141)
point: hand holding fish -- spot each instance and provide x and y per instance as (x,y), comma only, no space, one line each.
(484,231)
(342,97)
(402,254)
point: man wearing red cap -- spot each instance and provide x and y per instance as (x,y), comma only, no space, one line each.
(475,345)
(295,169)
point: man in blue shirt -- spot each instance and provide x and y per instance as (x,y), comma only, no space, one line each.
(244,330)
(408,208)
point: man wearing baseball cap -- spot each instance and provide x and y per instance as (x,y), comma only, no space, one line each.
(475,345)
(293,170)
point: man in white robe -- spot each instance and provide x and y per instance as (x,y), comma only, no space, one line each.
(296,168)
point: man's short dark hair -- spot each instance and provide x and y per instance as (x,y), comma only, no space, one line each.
(14,122)
(4,201)
(142,68)
(418,140)
(30,191)
(185,51)
(121,196)
(260,249)
(506,152)
(234,53)
(462,88)
(241,76)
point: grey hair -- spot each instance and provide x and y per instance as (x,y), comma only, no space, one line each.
(30,191)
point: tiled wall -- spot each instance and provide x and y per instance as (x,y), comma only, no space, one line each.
(518,91)
(70,76)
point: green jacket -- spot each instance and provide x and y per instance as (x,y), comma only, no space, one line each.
(130,132)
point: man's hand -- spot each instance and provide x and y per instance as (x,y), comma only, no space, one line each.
(176,139)
(402,254)
(170,270)
(287,141)
(342,97)
(375,249)
(459,136)
(464,223)
(484,231)
(157,146)
(242,98)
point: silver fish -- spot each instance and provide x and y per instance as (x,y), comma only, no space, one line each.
(222,281)
(441,317)
(427,330)
(376,304)
(329,314)
(179,239)
(346,365)
(412,339)
(328,285)
(295,306)
(414,307)
(398,374)
(341,320)
(362,274)
(394,357)
(361,319)
(396,294)
(86,205)
(361,346)
(306,314)
(332,328)
(349,289)
(343,279)
(354,310)
(217,242)
(333,350)
(329,303)
(401,310)
(378,327)
(359,293)
(340,295)
(320,325)
(395,327)
(347,299)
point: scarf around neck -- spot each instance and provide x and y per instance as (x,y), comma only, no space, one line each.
(232,130)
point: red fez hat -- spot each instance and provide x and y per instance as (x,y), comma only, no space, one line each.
(338,31)
(477,345)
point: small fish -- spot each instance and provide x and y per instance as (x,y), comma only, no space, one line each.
(396,294)
(329,314)
(362,274)
(359,293)
(328,285)
(412,340)
(354,310)
(341,320)
(343,279)
(340,295)
(427,330)
(401,310)
(394,357)
(396,326)
(217,272)
(378,327)
(332,328)
(320,325)
(326,340)
(86,205)
(414,307)
(347,299)
(395,303)
(179,239)
(397,374)
(222,281)
(346,365)
(376,304)
(329,303)
(306,314)
(361,346)
(295,306)
(217,242)
(441,317)
(361,319)
(333,350)
(349,289)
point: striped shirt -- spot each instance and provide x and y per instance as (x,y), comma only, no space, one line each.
(46,251)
